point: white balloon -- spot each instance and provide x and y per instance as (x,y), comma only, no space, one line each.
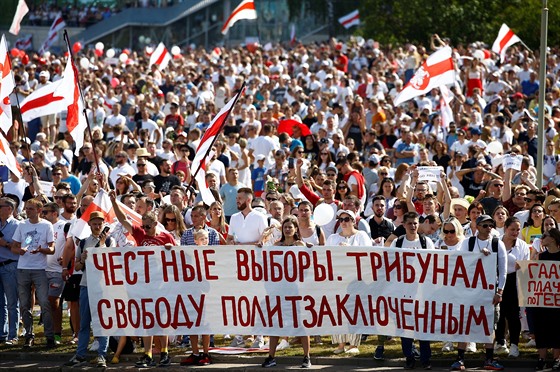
(99,45)
(84,63)
(495,147)
(110,53)
(148,40)
(123,57)
(323,214)
(479,54)
(47,54)
(141,38)
(175,50)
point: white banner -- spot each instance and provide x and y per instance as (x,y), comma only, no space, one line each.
(538,284)
(46,188)
(427,295)
(430,174)
(512,161)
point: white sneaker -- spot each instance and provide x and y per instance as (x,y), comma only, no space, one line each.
(258,343)
(471,347)
(447,346)
(237,342)
(354,350)
(283,345)
(501,349)
(227,337)
(94,345)
(531,343)
(513,351)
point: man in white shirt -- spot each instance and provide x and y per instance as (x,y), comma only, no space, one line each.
(113,120)
(247,226)
(264,145)
(33,241)
(122,167)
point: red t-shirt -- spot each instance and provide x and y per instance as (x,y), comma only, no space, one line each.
(142,239)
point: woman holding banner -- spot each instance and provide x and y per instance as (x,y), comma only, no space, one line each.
(547,320)
(290,238)
(517,250)
(349,236)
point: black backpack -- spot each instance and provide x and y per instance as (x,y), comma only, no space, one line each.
(495,244)
(400,241)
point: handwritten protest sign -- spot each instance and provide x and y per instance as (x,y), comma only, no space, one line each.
(46,187)
(538,283)
(512,161)
(430,174)
(429,295)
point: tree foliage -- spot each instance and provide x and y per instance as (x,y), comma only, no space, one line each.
(398,21)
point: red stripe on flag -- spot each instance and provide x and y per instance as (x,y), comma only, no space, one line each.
(39,102)
(57,22)
(213,130)
(161,57)
(440,67)
(246,6)
(357,16)
(507,37)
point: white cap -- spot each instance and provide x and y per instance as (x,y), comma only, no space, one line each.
(260,157)
(45,74)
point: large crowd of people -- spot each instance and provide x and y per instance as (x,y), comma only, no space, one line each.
(346,145)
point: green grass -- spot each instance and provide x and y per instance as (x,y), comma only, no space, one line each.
(392,348)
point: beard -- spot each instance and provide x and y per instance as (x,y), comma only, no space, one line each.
(242,206)
(379,214)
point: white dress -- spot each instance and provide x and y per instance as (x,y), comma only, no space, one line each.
(244,174)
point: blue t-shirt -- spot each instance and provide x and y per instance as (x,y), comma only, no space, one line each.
(404,147)
(258,176)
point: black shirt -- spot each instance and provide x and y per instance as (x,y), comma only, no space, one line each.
(165,183)
(384,229)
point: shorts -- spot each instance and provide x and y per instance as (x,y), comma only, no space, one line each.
(72,288)
(56,284)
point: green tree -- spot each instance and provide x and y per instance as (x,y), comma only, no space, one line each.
(398,21)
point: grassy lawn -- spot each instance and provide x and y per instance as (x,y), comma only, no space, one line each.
(392,348)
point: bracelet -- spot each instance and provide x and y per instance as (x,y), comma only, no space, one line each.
(498,294)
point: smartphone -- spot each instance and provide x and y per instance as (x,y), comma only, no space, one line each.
(106,230)
(290,163)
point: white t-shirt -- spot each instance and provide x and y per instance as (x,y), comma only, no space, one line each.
(360,239)
(415,244)
(59,241)
(247,229)
(33,236)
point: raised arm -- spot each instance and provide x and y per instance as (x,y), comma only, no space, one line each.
(119,213)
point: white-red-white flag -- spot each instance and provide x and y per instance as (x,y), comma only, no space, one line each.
(76,119)
(102,203)
(21,11)
(160,57)
(436,71)
(7,157)
(24,43)
(205,145)
(350,19)
(7,85)
(52,36)
(293,34)
(445,108)
(245,10)
(505,39)
(205,193)
(42,102)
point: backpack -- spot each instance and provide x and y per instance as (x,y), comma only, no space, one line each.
(400,241)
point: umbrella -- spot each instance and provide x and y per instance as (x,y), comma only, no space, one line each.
(287,126)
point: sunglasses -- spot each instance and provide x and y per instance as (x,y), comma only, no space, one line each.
(383,174)
(445,232)
(146,227)
(141,164)
(324,153)
(57,174)
(271,199)
(345,219)
(397,206)
(487,225)
(300,152)
(498,185)
(331,175)
(170,220)
(342,187)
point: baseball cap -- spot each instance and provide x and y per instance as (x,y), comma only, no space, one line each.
(484,218)
(344,211)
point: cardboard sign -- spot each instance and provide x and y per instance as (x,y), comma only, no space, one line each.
(512,161)
(430,174)
(538,284)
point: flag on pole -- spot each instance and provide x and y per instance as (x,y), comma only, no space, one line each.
(42,102)
(245,10)
(7,157)
(505,39)
(24,43)
(21,11)
(7,85)
(350,19)
(75,120)
(444,102)
(436,71)
(205,145)
(52,36)
(293,34)
(160,57)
